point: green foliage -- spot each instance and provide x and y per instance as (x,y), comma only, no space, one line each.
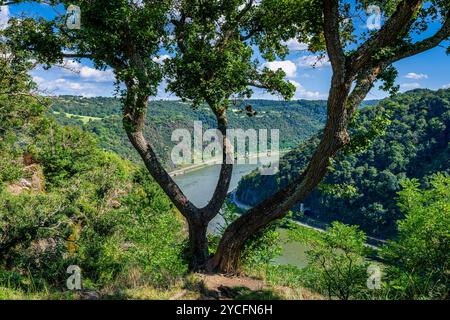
(97,211)
(26,218)
(287,275)
(110,30)
(64,153)
(419,259)
(213,60)
(336,259)
(10,169)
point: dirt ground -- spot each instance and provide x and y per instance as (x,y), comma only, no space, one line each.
(223,287)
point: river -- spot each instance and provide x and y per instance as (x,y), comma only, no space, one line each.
(199,186)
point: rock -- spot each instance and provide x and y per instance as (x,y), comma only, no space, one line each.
(25,183)
(87,295)
(34,184)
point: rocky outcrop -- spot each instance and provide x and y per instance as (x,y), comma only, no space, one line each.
(33,181)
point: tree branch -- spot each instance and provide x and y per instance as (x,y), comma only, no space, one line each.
(364,83)
(398,24)
(427,44)
(332,38)
(77,56)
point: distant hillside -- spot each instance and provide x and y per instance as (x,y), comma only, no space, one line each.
(296,120)
(369,103)
(415,145)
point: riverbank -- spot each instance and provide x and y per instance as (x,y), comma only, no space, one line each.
(214,161)
(372,242)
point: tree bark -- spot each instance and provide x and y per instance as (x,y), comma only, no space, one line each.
(198,243)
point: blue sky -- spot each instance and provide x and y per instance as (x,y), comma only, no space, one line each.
(310,75)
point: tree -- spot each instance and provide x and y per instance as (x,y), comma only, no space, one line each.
(212,62)
(419,259)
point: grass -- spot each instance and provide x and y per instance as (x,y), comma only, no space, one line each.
(270,283)
(84,119)
(18,294)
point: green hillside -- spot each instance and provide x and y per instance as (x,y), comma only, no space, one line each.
(296,120)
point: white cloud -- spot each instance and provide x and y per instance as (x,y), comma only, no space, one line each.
(87,73)
(295,45)
(314,61)
(58,84)
(4,16)
(97,75)
(409,86)
(302,93)
(446,86)
(61,86)
(416,76)
(74,78)
(287,66)
(38,80)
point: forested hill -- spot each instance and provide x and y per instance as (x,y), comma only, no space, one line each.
(296,120)
(415,145)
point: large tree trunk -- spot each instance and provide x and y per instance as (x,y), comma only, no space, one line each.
(198,244)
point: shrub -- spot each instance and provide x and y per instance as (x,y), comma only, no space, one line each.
(419,258)
(336,260)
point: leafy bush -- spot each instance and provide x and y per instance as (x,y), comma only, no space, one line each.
(27,218)
(97,211)
(419,259)
(144,235)
(336,260)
